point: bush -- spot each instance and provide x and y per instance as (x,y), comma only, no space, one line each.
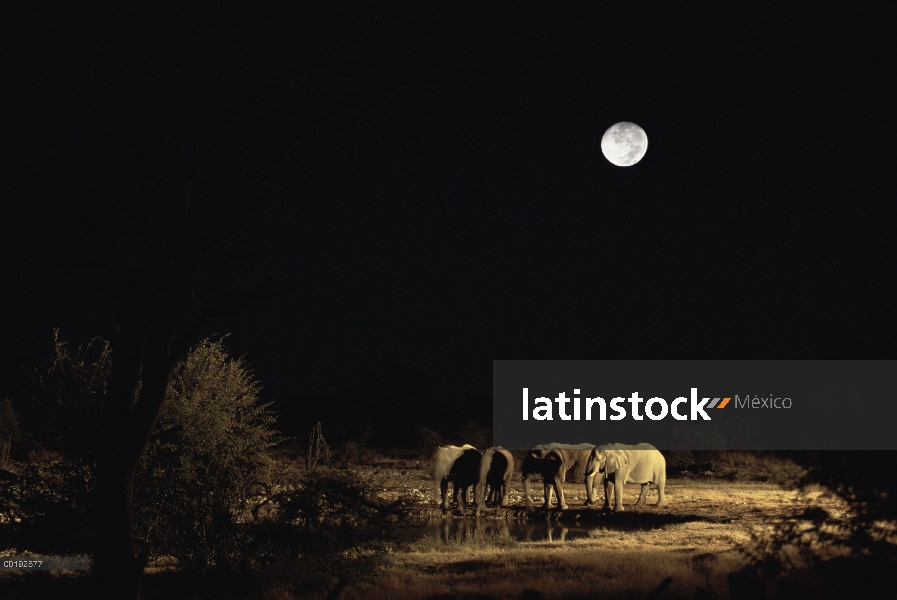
(68,398)
(50,505)
(10,433)
(204,470)
(48,508)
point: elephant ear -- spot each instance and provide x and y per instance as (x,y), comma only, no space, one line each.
(614,462)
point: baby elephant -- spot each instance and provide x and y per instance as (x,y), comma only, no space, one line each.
(620,464)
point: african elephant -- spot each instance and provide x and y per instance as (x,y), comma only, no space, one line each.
(554,462)
(459,465)
(496,469)
(620,464)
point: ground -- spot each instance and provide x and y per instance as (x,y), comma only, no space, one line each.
(697,540)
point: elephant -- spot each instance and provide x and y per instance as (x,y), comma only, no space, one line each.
(620,464)
(459,465)
(554,462)
(496,469)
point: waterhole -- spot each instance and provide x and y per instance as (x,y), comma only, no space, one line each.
(539,530)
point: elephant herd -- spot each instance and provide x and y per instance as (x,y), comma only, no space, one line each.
(489,473)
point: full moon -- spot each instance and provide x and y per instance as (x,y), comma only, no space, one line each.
(624,144)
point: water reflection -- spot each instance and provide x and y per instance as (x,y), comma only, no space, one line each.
(522,530)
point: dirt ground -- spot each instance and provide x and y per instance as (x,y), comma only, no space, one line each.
(688,549)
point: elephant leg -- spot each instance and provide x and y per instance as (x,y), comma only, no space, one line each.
(462,498)
(608,492)
(643,496)
(559,486)
(479,497)
(661,499)
(443,486)
(546,493)
(503,493)
(457,495)
(526,497)
(622,475)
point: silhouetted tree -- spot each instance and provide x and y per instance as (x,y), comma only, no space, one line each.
(149,247)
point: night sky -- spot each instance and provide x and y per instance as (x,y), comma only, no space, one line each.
(760,224)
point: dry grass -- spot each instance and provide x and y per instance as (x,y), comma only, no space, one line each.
(554,570)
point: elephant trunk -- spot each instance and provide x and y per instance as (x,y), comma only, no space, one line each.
(590,489)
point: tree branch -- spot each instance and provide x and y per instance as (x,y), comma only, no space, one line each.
(246,196)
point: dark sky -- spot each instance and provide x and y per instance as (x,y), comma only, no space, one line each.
(760,224)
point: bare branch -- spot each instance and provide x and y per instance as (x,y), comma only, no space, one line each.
(217,280)
(139,210)
(99,40)
(78,202)
(233,299)
(175,146)
(246,196)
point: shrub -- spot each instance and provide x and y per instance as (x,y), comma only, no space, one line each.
(50,505)
(68,397)
(203,471)
(48,508)
(10,433)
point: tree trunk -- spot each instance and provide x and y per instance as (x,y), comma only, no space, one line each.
(117,571)
(136,392)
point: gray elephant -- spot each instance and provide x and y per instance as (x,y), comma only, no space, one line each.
(459,465)
(620,464)
(496,469)
(555,462)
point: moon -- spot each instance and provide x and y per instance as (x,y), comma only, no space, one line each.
(624,144)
